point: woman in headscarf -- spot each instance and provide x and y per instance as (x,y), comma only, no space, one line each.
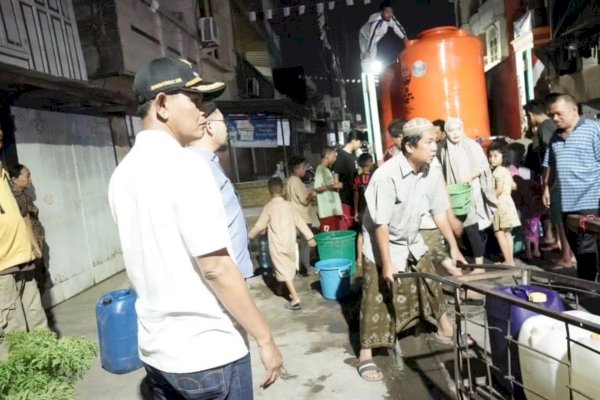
(21,181)
(464,161)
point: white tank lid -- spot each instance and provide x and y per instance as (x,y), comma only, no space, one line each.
(538,297)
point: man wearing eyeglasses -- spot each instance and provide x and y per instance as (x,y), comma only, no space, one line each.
(177,249)
(215,139)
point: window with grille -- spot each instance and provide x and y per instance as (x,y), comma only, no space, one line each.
(493,39)
(492,50)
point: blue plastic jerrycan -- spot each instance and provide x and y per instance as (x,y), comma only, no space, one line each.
(117,331)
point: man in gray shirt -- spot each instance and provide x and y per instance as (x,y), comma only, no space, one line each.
(393,245)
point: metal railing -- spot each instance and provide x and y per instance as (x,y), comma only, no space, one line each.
(571,290)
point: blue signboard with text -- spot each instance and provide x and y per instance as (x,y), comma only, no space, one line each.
(258,132)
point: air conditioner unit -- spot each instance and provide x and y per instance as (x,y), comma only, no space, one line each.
(208,32)
(252,87)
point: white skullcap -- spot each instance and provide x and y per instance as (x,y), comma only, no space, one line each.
(417,126)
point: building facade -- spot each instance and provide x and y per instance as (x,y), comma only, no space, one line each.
(573,57)
(56,123)
(532,48)
(68,113)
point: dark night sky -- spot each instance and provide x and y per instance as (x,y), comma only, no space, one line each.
(301,46)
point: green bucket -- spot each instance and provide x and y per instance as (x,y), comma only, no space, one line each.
(337,244)
(460,198)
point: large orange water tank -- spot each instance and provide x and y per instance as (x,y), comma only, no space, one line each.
(439,75)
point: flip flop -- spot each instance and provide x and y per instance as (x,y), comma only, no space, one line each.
(556,267)
(294,307)
(369,365)
(548,244)
(550,248)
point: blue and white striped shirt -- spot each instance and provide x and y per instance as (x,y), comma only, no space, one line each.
(576,163)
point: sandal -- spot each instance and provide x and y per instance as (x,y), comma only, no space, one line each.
(368,365)
(550,247)
(294,307)
(466,341)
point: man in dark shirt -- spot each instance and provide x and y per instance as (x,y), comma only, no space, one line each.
(345,167)
(541,121)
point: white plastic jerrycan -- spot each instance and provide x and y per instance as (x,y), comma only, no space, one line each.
(586,363)
(547,377)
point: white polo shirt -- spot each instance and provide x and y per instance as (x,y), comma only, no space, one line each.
(168,210)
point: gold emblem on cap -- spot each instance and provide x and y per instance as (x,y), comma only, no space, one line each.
(165,83)
(193,81)
(213,86)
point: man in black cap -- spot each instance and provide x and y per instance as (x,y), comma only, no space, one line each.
(177,249)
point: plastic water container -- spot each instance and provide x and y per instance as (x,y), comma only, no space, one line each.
(460,198)
(586,364)
(518,241)
(117,331)
(337,244)
(264,258)
(498,314)
(548,377)
(335,277)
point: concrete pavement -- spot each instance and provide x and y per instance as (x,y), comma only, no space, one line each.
(318,344)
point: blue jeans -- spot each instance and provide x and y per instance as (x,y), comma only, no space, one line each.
(229,382)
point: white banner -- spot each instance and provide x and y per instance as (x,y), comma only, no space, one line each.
(523,25)
(283,132)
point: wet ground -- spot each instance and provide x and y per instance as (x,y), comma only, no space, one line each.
(319,344)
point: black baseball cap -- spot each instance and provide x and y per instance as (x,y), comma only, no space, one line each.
(167,75)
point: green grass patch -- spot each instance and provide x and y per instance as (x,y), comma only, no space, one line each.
(42,367)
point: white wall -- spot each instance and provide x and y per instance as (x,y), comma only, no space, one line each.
(583,85)
(71,159)
(491,12)
(164,29)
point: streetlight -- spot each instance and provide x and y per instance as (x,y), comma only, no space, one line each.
(370,70)
(375,67)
